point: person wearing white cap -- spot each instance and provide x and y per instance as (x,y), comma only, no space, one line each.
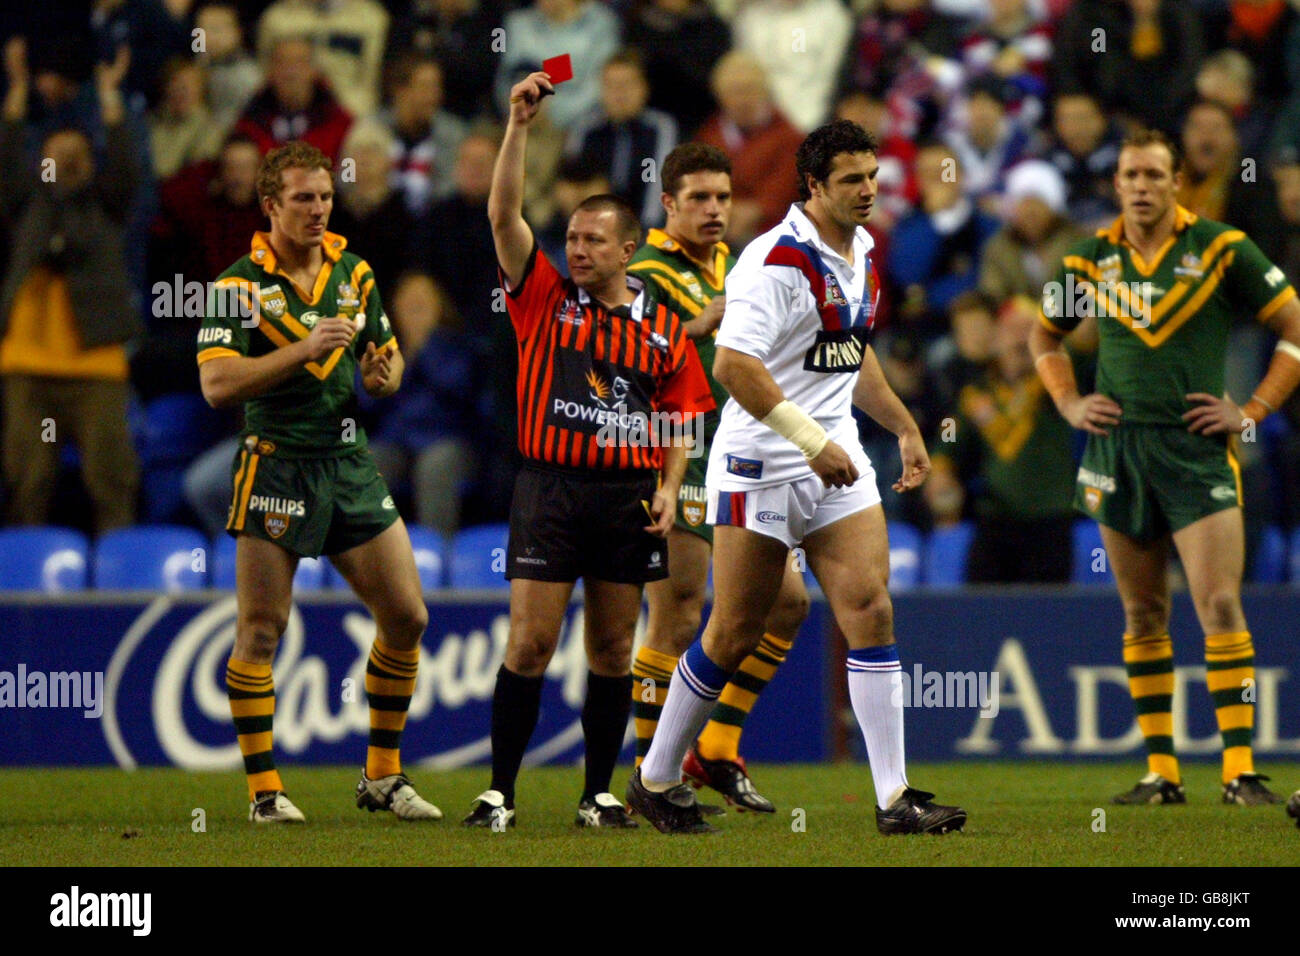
(1035,233)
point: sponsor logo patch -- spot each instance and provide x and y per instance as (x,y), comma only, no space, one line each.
(265,447)
(744,467)
(1092,498)
(1223,493)
(770,517)
(1101,482)
(276,524)
(601,390)
(838,350)
(387,503)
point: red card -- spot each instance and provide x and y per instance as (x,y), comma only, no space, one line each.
(560,68)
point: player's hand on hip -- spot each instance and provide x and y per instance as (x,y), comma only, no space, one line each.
(1093,413)
(834,466)
(330,334)
(916,461)
(526,97)
(663,514)
(1213,416)
(376,367)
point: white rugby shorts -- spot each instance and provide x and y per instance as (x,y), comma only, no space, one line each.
(790,512)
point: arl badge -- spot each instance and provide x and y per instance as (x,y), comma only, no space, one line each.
(276,524)
(694,499)
(273,302)
(1092,497)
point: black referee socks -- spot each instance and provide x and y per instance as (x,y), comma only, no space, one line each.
(515,705)
(604,723)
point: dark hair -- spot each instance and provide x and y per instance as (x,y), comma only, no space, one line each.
(629,225)
(628,56)
(403,69)
(1143,137)
(816,154)
(294,155)
(691,158)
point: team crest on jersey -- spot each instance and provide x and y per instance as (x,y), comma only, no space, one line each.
(834,294)
(276,524)
(265,447)
(1111,268)
(1092,498)
(693,512)
(274,302)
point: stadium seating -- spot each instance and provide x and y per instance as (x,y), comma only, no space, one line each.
(149,558)
(945,555)
(1087,541)
(905,548)
(43,559)
(478,557)
(1270,557)
(172,431)
(313,574)
(430,556)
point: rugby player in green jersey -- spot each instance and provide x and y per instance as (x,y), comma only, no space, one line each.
(288,325)
(1166,285)
(687,263)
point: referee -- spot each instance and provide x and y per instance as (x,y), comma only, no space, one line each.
(597,495)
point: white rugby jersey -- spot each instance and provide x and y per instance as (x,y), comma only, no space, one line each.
(798,306)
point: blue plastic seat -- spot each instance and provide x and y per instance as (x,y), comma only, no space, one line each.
(313,574)
(478,557)
(904,556)
(1091,562)
(150,558)
(945,555)
(1270,557)
(1295,556)
(43,559)
(175,428)
(430,556)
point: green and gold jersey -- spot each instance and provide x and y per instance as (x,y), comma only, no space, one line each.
(255,308)
(1009,436)
(686,285)
(1164,324)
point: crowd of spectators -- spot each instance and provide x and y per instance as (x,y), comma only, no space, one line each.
(999,124)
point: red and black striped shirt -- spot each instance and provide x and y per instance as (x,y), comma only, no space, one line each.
(587,373)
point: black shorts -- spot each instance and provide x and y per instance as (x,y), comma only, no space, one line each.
(567,524)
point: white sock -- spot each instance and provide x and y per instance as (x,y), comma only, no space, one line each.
(876,690)
(694,691)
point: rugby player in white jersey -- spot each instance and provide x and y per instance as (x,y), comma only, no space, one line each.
(787,469)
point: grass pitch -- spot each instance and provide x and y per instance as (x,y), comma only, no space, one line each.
(1020,815)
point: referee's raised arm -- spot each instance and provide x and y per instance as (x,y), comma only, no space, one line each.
(511,235)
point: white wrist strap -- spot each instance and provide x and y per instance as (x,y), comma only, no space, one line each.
(790,421)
